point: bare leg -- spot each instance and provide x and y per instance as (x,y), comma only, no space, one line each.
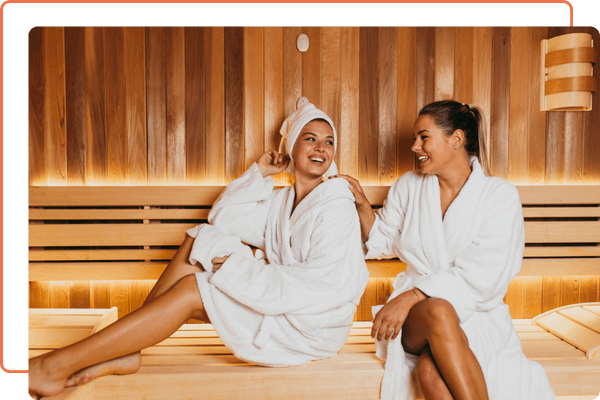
(178,268)
(431,381)
(48,373)
(434,323)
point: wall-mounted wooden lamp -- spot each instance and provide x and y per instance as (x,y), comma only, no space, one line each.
(567,80)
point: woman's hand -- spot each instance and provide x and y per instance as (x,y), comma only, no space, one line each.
(218,262)
(271,163)
(363,207)
(389,320)
(357,190)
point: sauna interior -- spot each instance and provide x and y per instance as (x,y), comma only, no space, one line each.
(181,108)
(195,106)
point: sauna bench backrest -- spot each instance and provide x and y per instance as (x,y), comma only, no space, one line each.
(130,233)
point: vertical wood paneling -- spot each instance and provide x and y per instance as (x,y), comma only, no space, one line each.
(75,105)
(234,104)
(569,290)
(368,106)
(463,64)
(254,126)
(56,135)
(100,294)
(273,90)
(116,112)
(79,294)
(533,296)
(574,147)
(292,70)
(518,105)
(591,122)
(555,148)
(135,86)
(536,119)
(501,105)
(156,105)
(119,297)
(444,63)
(195,104)
(37,109)
(588,289)
(349,119)
(482,76)
(387,83)
(330,77)
(406,98)
(368,299)
(550,292)
(425,66)
(384,290)
(311,67)
(515,296)
(215,105)
(39,295)
(59,294)
(175,97)
(273,86)
(97,172)
(138,291)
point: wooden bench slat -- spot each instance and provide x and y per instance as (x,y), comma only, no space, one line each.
(126,270)
(562,232)
(99,271)
(378,268)
(583,317)
(562,251)
(101,255)
(114,196)
(173,234)
(107,234)
(561,212)
(116,214)
(49,196)
(570,331)
(568,194)
(560,266)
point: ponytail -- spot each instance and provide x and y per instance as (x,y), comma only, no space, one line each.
(451,115)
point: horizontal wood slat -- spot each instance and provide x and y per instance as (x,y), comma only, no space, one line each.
(562,232)
(90,196)
(561,212)
(98,255)
(116,214)
(108,234)
(99,271)
(572,84)
(167,254)
(73,271)
(560,266)
(173,234)
(555,194)
(567,56)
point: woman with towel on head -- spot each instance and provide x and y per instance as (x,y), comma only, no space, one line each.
(461,234)
(294,308)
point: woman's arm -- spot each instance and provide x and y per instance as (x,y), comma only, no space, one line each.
(389,320)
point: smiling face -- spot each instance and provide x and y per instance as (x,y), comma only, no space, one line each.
(434,149)
(314,149)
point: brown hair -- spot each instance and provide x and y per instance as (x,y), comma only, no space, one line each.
(450,115)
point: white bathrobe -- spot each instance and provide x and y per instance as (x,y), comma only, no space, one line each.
(299,305)
(467,258)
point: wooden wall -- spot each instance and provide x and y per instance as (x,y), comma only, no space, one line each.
(193,106)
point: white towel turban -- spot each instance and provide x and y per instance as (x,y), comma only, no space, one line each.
(291,129)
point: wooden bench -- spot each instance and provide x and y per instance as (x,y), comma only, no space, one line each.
(130,233)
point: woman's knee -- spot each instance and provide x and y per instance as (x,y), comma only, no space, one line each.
(438,312)
(187,288)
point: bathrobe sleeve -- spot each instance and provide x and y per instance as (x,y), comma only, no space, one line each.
(388,220)
(241,209)
(478,278)
(330,276)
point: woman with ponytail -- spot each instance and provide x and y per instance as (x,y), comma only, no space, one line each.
(461,233)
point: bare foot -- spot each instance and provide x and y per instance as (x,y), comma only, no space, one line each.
(119,366)
(45,378)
